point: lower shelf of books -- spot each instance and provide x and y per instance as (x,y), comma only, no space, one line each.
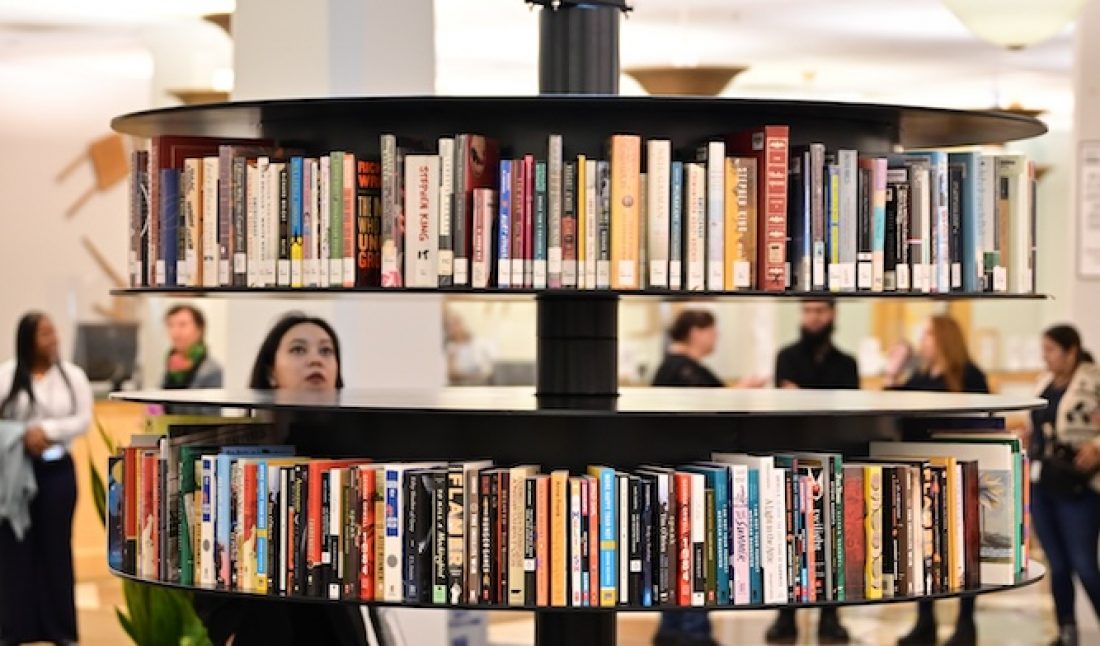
(1034,573)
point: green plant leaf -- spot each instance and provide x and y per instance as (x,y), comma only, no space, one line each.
(99,492)
(127,626)
(108,441)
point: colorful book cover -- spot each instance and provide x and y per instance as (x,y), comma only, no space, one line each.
(872,529)
(504,224)
(608,534)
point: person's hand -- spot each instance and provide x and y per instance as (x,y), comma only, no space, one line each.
(1087,458)
(752,381)
(35,441)
(895,362)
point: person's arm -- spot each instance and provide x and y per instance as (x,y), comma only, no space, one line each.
(974,380)
(851,378)
(63,429)
(784,370)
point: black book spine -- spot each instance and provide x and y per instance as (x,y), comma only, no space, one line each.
(439,571)
(503,504)
(486,564)
(635,537)
(888,544)
(530,584)
(890,247)
(350,562)
(460,234)
(668,509)
(412,529)
(945,537)
(456,534)
(899,528)
(274,527)
(789,480)
(301,527)
(937,536)
(234,523)
(818,511)
(319,572)
(586,543)
(902,196)
(368,223)
(864,215)
(956,176)
(239,217)
(569,224)
(284,214)
(648,541)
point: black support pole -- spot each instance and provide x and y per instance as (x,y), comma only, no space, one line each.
(579,46)
(577,350)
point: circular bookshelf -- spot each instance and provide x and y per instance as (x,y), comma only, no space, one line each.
(1034,574)
(521,293)
(586,121)
(640,402)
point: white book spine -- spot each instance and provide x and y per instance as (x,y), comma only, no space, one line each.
(696,230)
(777,593)
(421,220)
(623,483)
(960,536)
(210,249)
(272,233)
(263,177)
(715,235)
(335,529)
(208,492)
(922,189)
(698,528)
(553,224)
(324,244)
(741,528)
(987,227)
(252,221)
(191,201)
(658,173)
(591,226)
(446,207)
(393,542)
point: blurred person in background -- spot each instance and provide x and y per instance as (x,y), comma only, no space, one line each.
(50,403)
(1064,445)
(188,364)
(943,365)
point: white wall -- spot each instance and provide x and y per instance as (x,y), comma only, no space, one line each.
(51,107)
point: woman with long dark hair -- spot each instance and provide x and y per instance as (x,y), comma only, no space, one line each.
(944,366)
(1065,448)
(299,354)
(52,401)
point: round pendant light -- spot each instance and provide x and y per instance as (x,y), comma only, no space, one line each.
(1015,24)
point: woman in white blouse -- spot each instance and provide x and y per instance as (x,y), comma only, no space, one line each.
(52,401)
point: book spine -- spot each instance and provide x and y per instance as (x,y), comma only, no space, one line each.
(608,536)
(555,226)
(740,225)
(227,221)
(576,588)
(658,187)
(283,266)
(542,540)
(569,225)
(486,542)
(592,215)
(772,207)
(835,274)
(503,517)
(848,164)
(634,543)
(684,556)
(367,536)
(816,180)
(878,223)
(368,224)
(504,224)
(940,222)
(187,273)
(309,218)
(519,198)
(439,558)
(622,490)
(347,222)
(582,193)
(676,227)
(169,227)
(446,210)
(742,531)
(421,224)
(530,548)
(516,517)
(890,255)
(715,156)
(484,210)
(696,232)
(296,234)
(336,219)
(559,538)
(392,202)
(956,177)
(207,274)
(624,224)
(455,533)
(873,532)
(467,152)
(698,540)
(540,227)
(603,225)
(528,245)
(152,239)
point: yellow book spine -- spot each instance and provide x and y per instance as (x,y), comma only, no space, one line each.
(872,527)
(559,481)
(625,226)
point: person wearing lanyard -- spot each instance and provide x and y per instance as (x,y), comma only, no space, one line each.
(1064,445)
(52,400)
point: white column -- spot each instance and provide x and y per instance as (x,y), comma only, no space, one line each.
(288,49)
(1084,292)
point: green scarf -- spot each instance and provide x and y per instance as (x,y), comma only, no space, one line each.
(181,369)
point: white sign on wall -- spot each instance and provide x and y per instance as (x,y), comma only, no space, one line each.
(1088,232)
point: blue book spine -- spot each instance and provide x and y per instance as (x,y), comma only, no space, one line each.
(115,535)
(941,264)
(878,220)
(261,518)
(609,536)
(540,224)
(676,228)
(970,219)
(647,527)
(756,571)
(720,480)
(223,520)
(504,225)
(296,226)
(169,223)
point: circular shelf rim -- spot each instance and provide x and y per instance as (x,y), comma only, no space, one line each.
(631,402)
(1035,573)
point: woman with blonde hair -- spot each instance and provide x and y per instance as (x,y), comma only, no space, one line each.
(943,365)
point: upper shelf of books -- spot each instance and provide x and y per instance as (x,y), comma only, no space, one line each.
(517,119)
(631,401)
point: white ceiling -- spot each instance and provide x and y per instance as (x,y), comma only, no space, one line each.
(906,51)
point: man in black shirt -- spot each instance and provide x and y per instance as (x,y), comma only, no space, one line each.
(813,362)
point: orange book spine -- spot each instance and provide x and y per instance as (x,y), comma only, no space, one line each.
(348,221)
(246,558)
(542,541)
(625,198)
(683,539)
(740,224)
(559,556)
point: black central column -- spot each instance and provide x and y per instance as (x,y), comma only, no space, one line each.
(577,353)
(579,46)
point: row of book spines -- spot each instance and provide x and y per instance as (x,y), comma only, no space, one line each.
(699,527)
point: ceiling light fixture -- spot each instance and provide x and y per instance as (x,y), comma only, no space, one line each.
(1015,24)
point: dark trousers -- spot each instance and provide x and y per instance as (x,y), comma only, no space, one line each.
(1068,528)
(36,574)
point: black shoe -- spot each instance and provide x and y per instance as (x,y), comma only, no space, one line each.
(1067,636)
(783,630)
(829,630)
(966,634)
(923,634)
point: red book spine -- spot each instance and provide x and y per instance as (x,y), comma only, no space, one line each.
(502,536)
(517,223)
(769,145)
(683,541)
(593,537)
(246,560)
(528,221)
(854,545)
(313,517)
(367,491)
